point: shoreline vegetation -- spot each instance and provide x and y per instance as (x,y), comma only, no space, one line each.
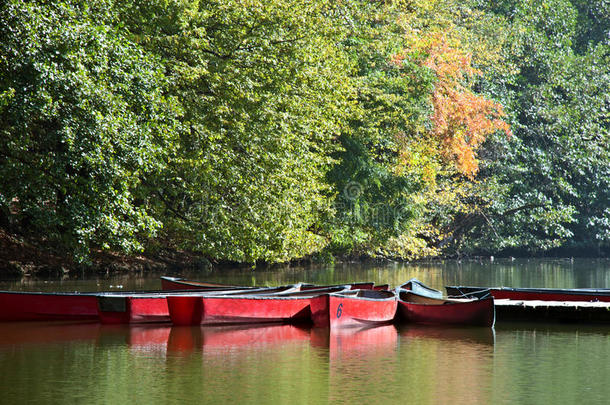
(141,136)
(19,259)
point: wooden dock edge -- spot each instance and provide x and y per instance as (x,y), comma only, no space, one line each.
(552,311)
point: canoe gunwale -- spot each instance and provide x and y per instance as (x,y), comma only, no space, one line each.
(348,295)
(528,293)
(419,288)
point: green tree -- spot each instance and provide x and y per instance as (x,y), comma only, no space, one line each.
(546,187)
(84,123)
(265,91)
(372,189)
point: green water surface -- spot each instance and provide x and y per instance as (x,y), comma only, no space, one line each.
(530,363)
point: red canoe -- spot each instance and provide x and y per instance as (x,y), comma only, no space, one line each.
(129,306)
(53,306)
(150,307)
(201,309)
(433,311)
(353,308)
(541,294)
(353,286)
(118,308)
(41,306)
(176,283)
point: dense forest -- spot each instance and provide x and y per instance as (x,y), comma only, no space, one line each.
(269,131)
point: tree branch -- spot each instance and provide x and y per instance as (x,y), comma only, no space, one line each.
(523,207)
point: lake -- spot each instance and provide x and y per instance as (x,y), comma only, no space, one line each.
(527,363)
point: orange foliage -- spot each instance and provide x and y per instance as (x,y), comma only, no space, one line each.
(397,59)
(461,119)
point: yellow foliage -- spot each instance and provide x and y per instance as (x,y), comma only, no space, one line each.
(413,245)
(416,155)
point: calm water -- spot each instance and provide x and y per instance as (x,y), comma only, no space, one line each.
(515,363)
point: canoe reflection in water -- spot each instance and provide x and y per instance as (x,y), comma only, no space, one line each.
(227,337)
(47,332)
(465,335)
(350,340)
(162,339)
(219,338)
(52,333)
(149,338)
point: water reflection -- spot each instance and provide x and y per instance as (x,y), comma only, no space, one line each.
(468,336)
(209,339)
(225,339)
(530,363)
(518,363)
(350,342)
(447,363)
(559,273)
(553,363)
(46,333)
(358,362)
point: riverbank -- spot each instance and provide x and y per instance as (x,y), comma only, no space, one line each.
(21,257)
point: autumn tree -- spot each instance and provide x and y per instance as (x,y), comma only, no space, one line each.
(418,132)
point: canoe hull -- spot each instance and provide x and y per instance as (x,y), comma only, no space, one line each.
(470,313)
(336,310)
(352,286)
(174,283)
(202,310)
(35,306)
(150,307)
(132,309)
